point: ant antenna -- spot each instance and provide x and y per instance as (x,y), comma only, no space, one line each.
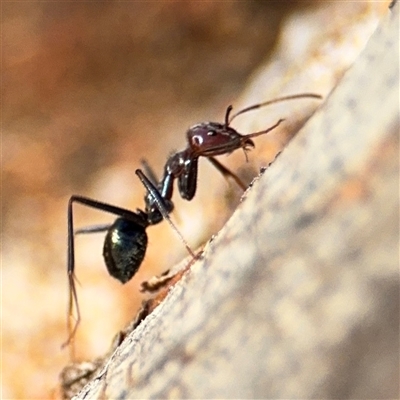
(266,103)
(228,111)
(250,135)
(161,207)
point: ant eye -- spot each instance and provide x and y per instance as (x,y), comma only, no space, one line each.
(197,140)
(211,133)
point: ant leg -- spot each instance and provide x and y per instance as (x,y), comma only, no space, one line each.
(161,207)
(73,298)
(92,229)
(149,172)
(226,172)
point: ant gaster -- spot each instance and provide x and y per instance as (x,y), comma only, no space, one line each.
(126,239)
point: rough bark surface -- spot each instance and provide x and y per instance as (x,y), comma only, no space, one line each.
(298,295)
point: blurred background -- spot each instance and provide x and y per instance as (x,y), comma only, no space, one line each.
(88,90)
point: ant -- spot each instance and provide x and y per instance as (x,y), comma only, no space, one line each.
(126,239)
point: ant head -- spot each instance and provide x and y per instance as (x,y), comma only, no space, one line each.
(210,139)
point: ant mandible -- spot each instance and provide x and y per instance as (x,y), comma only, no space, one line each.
(126,239)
